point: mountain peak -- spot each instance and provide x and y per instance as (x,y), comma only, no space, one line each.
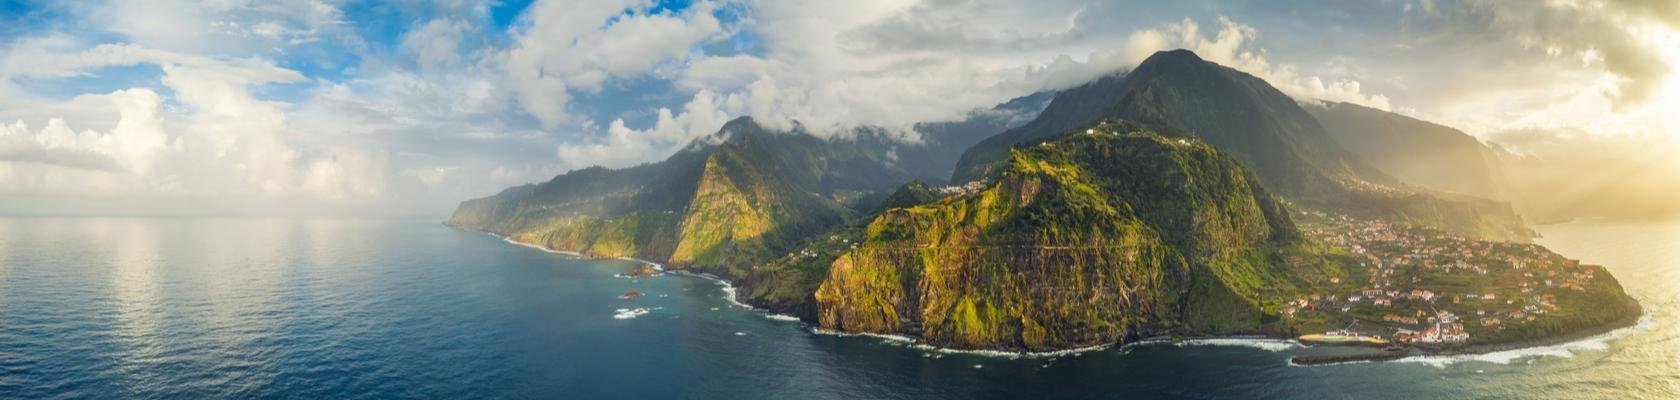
(744,121)
(739,129)
(1169,60)
(1176,55)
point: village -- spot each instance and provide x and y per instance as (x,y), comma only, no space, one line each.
(1426,287)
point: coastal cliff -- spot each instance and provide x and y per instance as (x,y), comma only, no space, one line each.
(1095,238)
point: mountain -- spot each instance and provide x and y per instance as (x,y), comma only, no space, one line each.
(1185,95)
(1178,94)
(1084,240)
(1061,235)
(1067,110)
(738,197)
(942,143)
(1415,151)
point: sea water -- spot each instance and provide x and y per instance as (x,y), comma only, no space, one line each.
(407,308)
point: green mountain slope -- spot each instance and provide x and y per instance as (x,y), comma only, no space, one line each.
(1067,111)
(1084,240)
(1179,94)
(721,205)
(743,190)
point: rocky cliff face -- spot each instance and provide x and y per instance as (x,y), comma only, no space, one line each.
(1085,240)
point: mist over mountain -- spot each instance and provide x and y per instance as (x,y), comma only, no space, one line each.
(1547,175)
(943,143)
(1414,151)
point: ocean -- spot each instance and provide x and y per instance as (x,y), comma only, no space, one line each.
(343,308)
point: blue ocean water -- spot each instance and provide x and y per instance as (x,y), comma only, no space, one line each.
(407,308)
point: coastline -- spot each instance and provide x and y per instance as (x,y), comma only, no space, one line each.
(1596,338)
(1437,356)
(730,295)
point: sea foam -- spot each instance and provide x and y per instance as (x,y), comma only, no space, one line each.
(1600,342)
(729,292)
(509,239)
(915,344)
(656,266)
(629,313)
(1272,345)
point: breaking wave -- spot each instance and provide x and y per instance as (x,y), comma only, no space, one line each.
(1272,345)
(1565,350)
(915,344)
(509,239)
(629,313)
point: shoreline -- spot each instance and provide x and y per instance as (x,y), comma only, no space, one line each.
(1597,338)
(730,295)
(1533,347)
(1606,329)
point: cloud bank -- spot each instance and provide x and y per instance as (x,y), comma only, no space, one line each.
(326,107)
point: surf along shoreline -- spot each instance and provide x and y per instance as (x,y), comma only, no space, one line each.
(1268,342)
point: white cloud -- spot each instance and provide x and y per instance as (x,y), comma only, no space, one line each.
(579,45)
(835,67)
(221,141)
(1489,67)
(1233,46)
(433,177)
(342,174)
(132,146)
(224,27)
(830,66)
(624,147)
(56,145)
(436,43)
(455,108)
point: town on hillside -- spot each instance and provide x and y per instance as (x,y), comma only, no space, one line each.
(1424,286)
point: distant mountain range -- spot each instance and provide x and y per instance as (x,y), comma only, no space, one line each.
(1140,203)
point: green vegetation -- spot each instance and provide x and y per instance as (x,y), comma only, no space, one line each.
(1071,230)
(1180,95)
(632,235)
(723,205)
(1411,278)
(1085,240)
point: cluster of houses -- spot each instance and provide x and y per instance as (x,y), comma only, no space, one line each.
(1402,319)
(1403,260)
(1449,333)
(1444,328)
(966,188)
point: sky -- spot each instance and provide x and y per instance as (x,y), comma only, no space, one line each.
(163,107)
